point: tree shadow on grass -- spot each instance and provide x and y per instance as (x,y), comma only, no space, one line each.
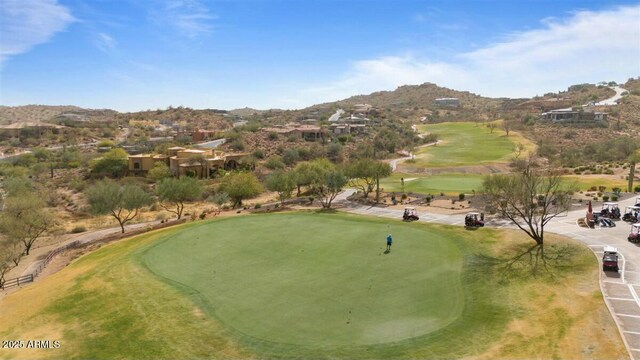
(537,261)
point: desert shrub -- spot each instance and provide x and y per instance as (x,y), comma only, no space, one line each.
(274,163)
(78,229)
(460,197)
(403,197)
(614,198)
(636,188)
(258,154)
(602,188)
(273,136)
(605,198)
(257,206)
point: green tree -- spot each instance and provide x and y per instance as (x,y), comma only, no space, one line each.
(25,218)
(334,182)
(364,174)
(113,163)
(173,193)
(303,175)
(159,171)
(325,180)
(241,186)
(122,202)
(10,254)
(283,183)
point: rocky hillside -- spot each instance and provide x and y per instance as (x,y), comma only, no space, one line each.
(32,113)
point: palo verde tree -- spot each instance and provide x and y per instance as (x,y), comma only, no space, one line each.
(113,163)
(326,179)
(123,202)
(173,193)
(530,199)
(364,174)
(283,183)
(334,182)
(241,186)
(25,218)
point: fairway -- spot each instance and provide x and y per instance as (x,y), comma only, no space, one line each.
(317,280)
(450,184)
(464,143)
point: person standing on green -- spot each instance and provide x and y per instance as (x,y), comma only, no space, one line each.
(389,242)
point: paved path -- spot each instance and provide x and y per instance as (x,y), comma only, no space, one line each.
(614,99)
(621,290)
(84,238)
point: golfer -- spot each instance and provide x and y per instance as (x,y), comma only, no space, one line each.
(389,242)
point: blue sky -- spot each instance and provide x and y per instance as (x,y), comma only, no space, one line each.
(132,55)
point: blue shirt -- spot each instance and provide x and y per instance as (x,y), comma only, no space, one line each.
(389,239)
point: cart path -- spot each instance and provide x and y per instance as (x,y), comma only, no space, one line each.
(621,291)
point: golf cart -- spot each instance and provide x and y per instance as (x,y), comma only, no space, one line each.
(610,259)
(610,210)
(634,235)
(474,219)
(631,213)
(410,214)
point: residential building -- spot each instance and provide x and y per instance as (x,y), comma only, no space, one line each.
(573,116)
(201,163)
(448,102)
(306,132)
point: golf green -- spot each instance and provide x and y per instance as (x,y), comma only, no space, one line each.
(316,280)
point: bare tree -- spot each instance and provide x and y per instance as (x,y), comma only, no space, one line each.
(506,126)
(529,199)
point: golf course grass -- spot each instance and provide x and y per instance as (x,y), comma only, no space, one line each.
(450,184)
(314,285)
(465,143)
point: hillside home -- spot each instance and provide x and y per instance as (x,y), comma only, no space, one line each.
(573,116)
(339,129)
(448,102)
(201,163)
(306,132)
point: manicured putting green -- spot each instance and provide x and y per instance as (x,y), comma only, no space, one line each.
(464,143)
(317,280)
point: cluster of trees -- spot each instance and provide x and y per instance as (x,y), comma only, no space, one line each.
(325,180)
(23,220)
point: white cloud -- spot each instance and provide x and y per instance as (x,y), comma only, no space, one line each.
(585,47)
(105,43)
(27,23)
(190,17)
